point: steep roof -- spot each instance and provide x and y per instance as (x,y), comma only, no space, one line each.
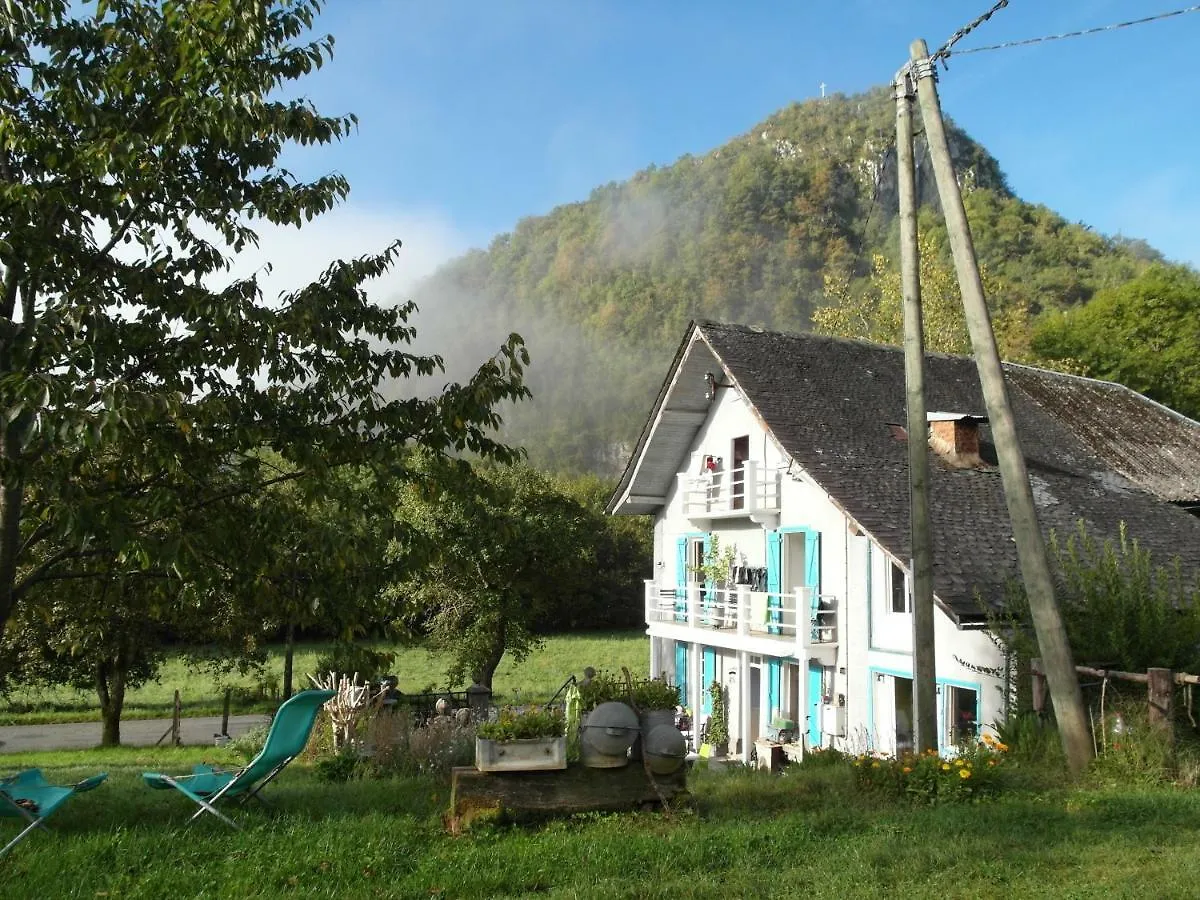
(1096,452)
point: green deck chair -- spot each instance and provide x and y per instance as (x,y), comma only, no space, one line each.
(290,728)
(29,796)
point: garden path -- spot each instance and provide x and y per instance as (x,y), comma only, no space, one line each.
(134,732)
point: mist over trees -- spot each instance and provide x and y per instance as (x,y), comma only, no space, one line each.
(752,232)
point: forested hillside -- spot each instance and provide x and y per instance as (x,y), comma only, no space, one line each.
(751,232)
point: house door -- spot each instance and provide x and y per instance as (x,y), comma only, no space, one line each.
(815,695)
(737,473)
(892,704)
(904,715)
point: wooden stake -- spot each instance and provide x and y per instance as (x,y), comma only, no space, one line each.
(175,716)
(925,735)
(1031,549)
(1161,694)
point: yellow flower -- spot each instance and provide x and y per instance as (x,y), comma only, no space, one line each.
(959,763)
(875,765)
(907,769)
(945,767)
(964,773)
(991,762)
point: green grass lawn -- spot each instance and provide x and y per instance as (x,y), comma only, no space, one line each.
(807,834)
(537,677)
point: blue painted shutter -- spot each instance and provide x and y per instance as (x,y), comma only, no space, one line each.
(681,576)
(774,580)
(812,574)
(708,676)
(681,668)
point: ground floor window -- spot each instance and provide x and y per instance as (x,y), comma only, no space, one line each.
(961,712)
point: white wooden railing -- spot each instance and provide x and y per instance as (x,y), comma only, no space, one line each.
(788,616)
(743,491)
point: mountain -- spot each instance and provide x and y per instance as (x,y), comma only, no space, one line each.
(749,232)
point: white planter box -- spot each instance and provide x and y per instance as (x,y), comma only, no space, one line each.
(533,755)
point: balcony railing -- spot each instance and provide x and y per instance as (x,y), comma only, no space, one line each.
(744,491)
(810,621)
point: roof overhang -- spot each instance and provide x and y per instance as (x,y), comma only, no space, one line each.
(679,412)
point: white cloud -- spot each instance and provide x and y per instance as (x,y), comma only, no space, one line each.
(298,256)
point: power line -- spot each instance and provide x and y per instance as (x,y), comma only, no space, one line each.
(945,52)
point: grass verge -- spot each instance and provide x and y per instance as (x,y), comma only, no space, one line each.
(750,834)
(537,677)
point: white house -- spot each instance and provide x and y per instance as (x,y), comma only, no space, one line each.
(789,450)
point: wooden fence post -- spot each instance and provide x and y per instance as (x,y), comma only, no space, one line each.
(1038,687)
(1161,691)
(225,714)
(175,739)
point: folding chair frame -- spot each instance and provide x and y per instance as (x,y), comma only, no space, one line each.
(207,804)
(34,822)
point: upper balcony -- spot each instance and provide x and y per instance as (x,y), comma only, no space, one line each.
(765,621)
(751,491)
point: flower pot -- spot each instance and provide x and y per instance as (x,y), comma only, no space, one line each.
(649,720)
(533,755)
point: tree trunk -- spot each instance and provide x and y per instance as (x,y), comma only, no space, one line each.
(289,653)
(110,688)
(11,498)
(491,662)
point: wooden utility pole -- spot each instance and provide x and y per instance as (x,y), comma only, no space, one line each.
(1031,549)
(925,735)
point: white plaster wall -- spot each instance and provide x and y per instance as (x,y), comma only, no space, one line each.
(728,418)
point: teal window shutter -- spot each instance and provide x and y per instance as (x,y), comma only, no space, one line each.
(774,581)
(681,580)
(812,575)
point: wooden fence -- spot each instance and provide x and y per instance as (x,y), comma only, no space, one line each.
(1160,690)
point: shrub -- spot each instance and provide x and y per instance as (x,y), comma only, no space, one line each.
(248,744)
(718,722)
(930,778)
(1119,607)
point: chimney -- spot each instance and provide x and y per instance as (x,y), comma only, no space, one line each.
(955,438)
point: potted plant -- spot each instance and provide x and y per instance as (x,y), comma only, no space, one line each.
(522,741)
(655,700)
(601,687)
(717,734)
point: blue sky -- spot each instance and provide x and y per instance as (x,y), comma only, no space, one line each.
(475,114)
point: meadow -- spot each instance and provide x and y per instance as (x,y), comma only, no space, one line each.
(536,678)
(809,832)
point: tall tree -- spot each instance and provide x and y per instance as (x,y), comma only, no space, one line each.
(873,311)
(141,142)
(1144,334)
(506,546)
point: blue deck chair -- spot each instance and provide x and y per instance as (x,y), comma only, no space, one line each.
(290,728)
(29,796)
